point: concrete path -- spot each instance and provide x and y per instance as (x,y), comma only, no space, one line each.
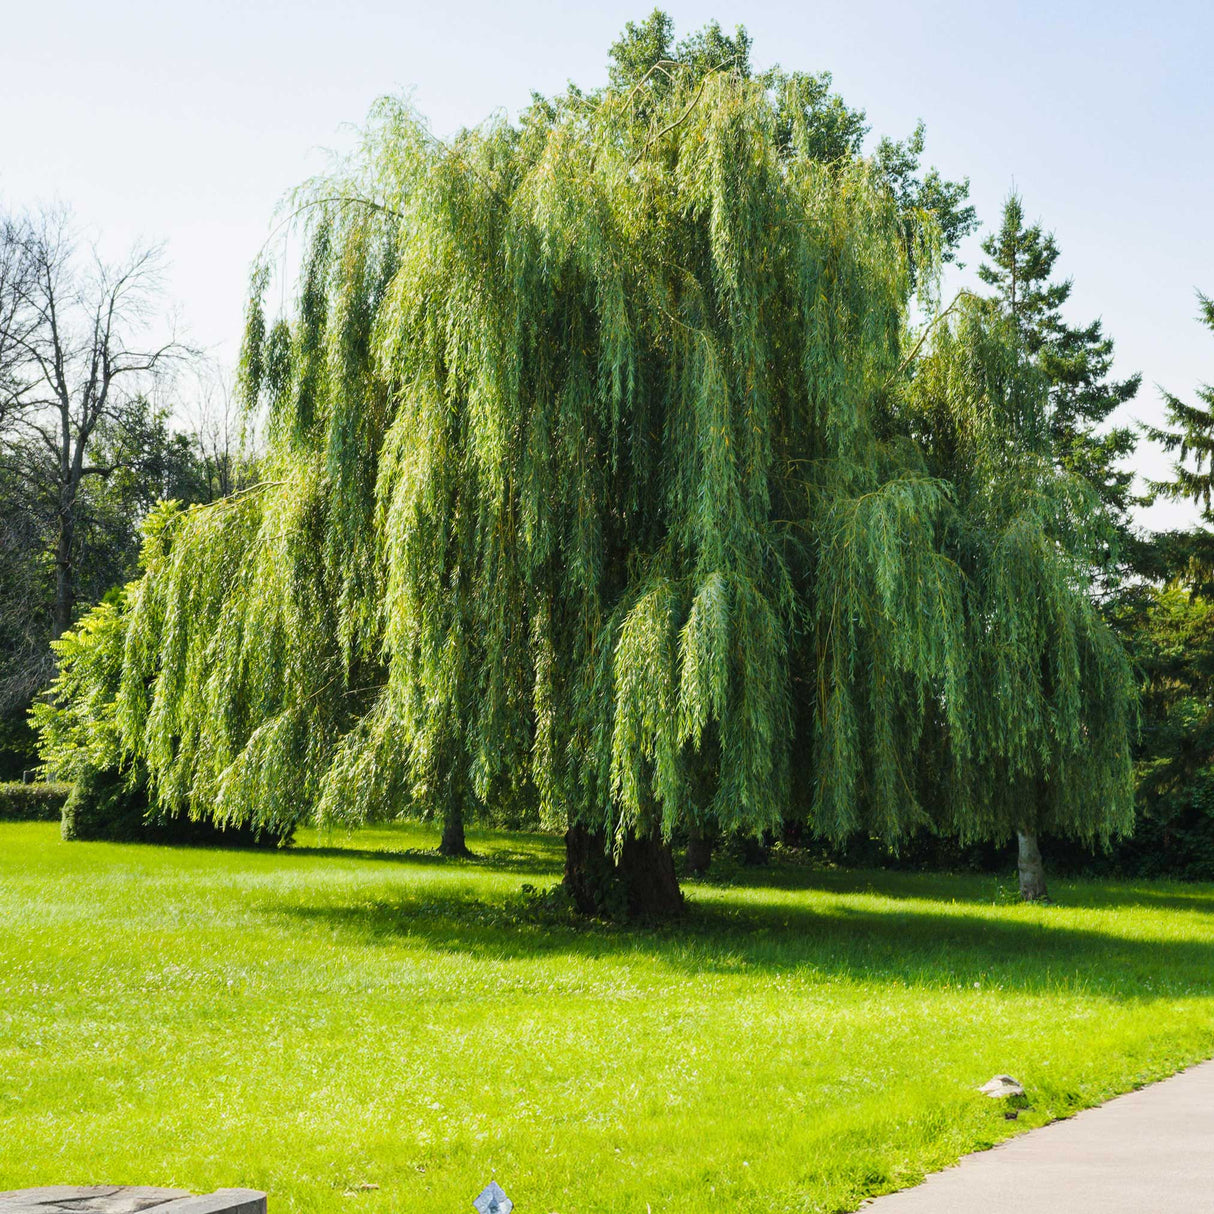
(1151,1152)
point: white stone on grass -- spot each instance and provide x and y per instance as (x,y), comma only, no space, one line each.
(1001,1087)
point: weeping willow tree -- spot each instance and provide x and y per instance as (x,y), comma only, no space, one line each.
(1051,692)
(583,488)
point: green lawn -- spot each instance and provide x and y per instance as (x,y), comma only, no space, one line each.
(321,1021)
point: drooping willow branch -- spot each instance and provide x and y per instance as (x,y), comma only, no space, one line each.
(941,316)
(678,122)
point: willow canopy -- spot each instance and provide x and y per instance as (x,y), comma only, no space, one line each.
(585,486)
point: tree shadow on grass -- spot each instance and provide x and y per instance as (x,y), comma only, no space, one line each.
(501,859)
(1118,895)
(731,932)
(545,859)
(985,889)
(909,939)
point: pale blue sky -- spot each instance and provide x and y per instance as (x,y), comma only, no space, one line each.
(186,122)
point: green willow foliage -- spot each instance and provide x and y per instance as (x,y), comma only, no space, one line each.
(78,732)
(586,487)
(1052,695)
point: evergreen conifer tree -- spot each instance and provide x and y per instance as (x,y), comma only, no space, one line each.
(1076,361)
(1186,554)
(1189,435)
(1166,621)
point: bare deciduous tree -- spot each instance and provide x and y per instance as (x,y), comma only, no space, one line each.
(75,358)
(214,420)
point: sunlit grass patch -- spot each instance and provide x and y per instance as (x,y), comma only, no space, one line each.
(358,1012)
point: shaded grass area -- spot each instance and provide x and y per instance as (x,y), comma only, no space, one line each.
(358,1012)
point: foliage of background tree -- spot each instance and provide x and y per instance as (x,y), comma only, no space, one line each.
(1170,635)
(152,461)
(76,372)
(1190,436)
(1168,628)
(1164,619)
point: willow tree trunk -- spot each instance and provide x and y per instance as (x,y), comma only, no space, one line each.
(1031,868)
(452,843)
(643,885)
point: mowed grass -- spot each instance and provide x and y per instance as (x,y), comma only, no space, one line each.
(356,1025)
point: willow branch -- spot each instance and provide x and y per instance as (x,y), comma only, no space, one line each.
(678,122)
(660,65)
(231,497)
(910,358)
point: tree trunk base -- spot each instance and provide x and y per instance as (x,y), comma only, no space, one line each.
(642,886)
(452,843)
(1031,869)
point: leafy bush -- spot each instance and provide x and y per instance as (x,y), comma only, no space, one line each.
(107,805)
(32,802)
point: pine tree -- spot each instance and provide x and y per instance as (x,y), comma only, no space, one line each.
(1187,554)
(1190,436)
(1075,364)
(1166,619)
(1076,361)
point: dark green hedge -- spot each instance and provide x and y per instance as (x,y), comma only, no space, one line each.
(32,802)
(104,806)
(1176,848)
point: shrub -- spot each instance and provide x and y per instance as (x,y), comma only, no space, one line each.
(32,802)
(106,805)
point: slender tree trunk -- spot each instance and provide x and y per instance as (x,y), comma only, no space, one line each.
(1031,868)
(643,885)
(65,582)
(699,850)
(453,843)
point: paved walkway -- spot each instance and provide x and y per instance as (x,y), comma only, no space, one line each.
(1150,1152)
